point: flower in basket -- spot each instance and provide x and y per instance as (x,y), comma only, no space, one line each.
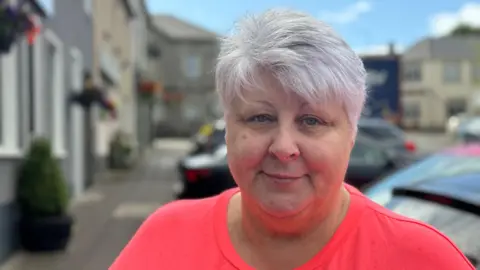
(13,23)
(148,89)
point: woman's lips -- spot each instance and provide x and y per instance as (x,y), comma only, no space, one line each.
(282,179)
(282,176)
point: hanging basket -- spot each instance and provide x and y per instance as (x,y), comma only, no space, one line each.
(13,23)
(148,89)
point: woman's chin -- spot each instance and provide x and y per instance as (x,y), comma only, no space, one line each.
(283,206)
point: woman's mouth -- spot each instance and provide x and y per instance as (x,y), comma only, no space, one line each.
(282,179)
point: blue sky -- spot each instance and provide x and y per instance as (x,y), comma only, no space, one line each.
(366,25)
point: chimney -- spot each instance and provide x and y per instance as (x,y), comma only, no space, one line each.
(391,49)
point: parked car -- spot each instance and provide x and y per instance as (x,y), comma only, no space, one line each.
(454,122)
(469,130)
(451,204)
(209,137)
(207,174)
(453,162)
(386,134)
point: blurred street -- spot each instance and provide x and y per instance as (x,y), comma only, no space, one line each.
(108,215)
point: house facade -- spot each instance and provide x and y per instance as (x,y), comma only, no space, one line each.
(35,82)
(140,27)
(188,55)
(113,70)
(441,78)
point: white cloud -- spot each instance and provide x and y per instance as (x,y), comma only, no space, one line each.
(347,15)
(378,49)
(443,23)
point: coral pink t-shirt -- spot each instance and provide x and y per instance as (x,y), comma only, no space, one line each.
(193,235)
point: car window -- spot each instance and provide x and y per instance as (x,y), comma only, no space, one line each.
(365,153)
(461,227)
(218,136)
(436,166)
(380,131)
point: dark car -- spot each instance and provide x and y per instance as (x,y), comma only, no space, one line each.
(207,173)
(452,162)
(386,134)
(209,137)
(204,175)
(450,204)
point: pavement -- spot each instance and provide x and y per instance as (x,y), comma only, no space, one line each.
(109,213)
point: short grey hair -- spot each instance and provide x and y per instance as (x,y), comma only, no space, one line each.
(303,53)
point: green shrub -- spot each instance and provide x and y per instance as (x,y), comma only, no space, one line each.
(41,190)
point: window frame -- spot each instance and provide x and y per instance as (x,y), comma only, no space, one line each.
(445,76)
(59,97)
(187,66)
(9,144)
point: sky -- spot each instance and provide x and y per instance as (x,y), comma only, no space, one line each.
(367,25)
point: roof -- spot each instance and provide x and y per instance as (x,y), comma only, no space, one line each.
(177,29)
(446,48)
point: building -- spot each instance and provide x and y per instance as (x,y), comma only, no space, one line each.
(188,55)
(113,70)
(143,72)
(35,83)
(440,78)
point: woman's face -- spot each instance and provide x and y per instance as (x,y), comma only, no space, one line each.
(287,156)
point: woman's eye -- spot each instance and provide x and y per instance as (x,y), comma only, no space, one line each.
(312,121)
(261,118)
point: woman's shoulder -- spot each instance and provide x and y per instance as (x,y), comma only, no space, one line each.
(414,241)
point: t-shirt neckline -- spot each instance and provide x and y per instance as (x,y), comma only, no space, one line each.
(348,225)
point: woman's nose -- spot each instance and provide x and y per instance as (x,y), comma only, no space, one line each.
(284,147)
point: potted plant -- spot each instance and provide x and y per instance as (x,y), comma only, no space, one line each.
(42,196)
(121,151)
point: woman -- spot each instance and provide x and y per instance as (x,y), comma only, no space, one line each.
(293,92)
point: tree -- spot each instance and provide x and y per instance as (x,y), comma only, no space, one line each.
(465,30)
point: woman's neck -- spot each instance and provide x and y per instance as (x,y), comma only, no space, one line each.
(305,234)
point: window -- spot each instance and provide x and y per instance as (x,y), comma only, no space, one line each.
(49,89)
(476,72)
(8,103)
(411,110)
(412,72)
(192,66)
(452,72)
(456,106)
(53,92)
(365,154)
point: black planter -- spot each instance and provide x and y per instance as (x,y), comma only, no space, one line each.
(6,42)
(45,234)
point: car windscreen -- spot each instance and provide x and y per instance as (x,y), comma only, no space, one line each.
(380,132)
(460,226)
(436,166)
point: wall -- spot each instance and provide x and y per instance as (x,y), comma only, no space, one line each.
(432,92)
(187,115)
(112,35)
